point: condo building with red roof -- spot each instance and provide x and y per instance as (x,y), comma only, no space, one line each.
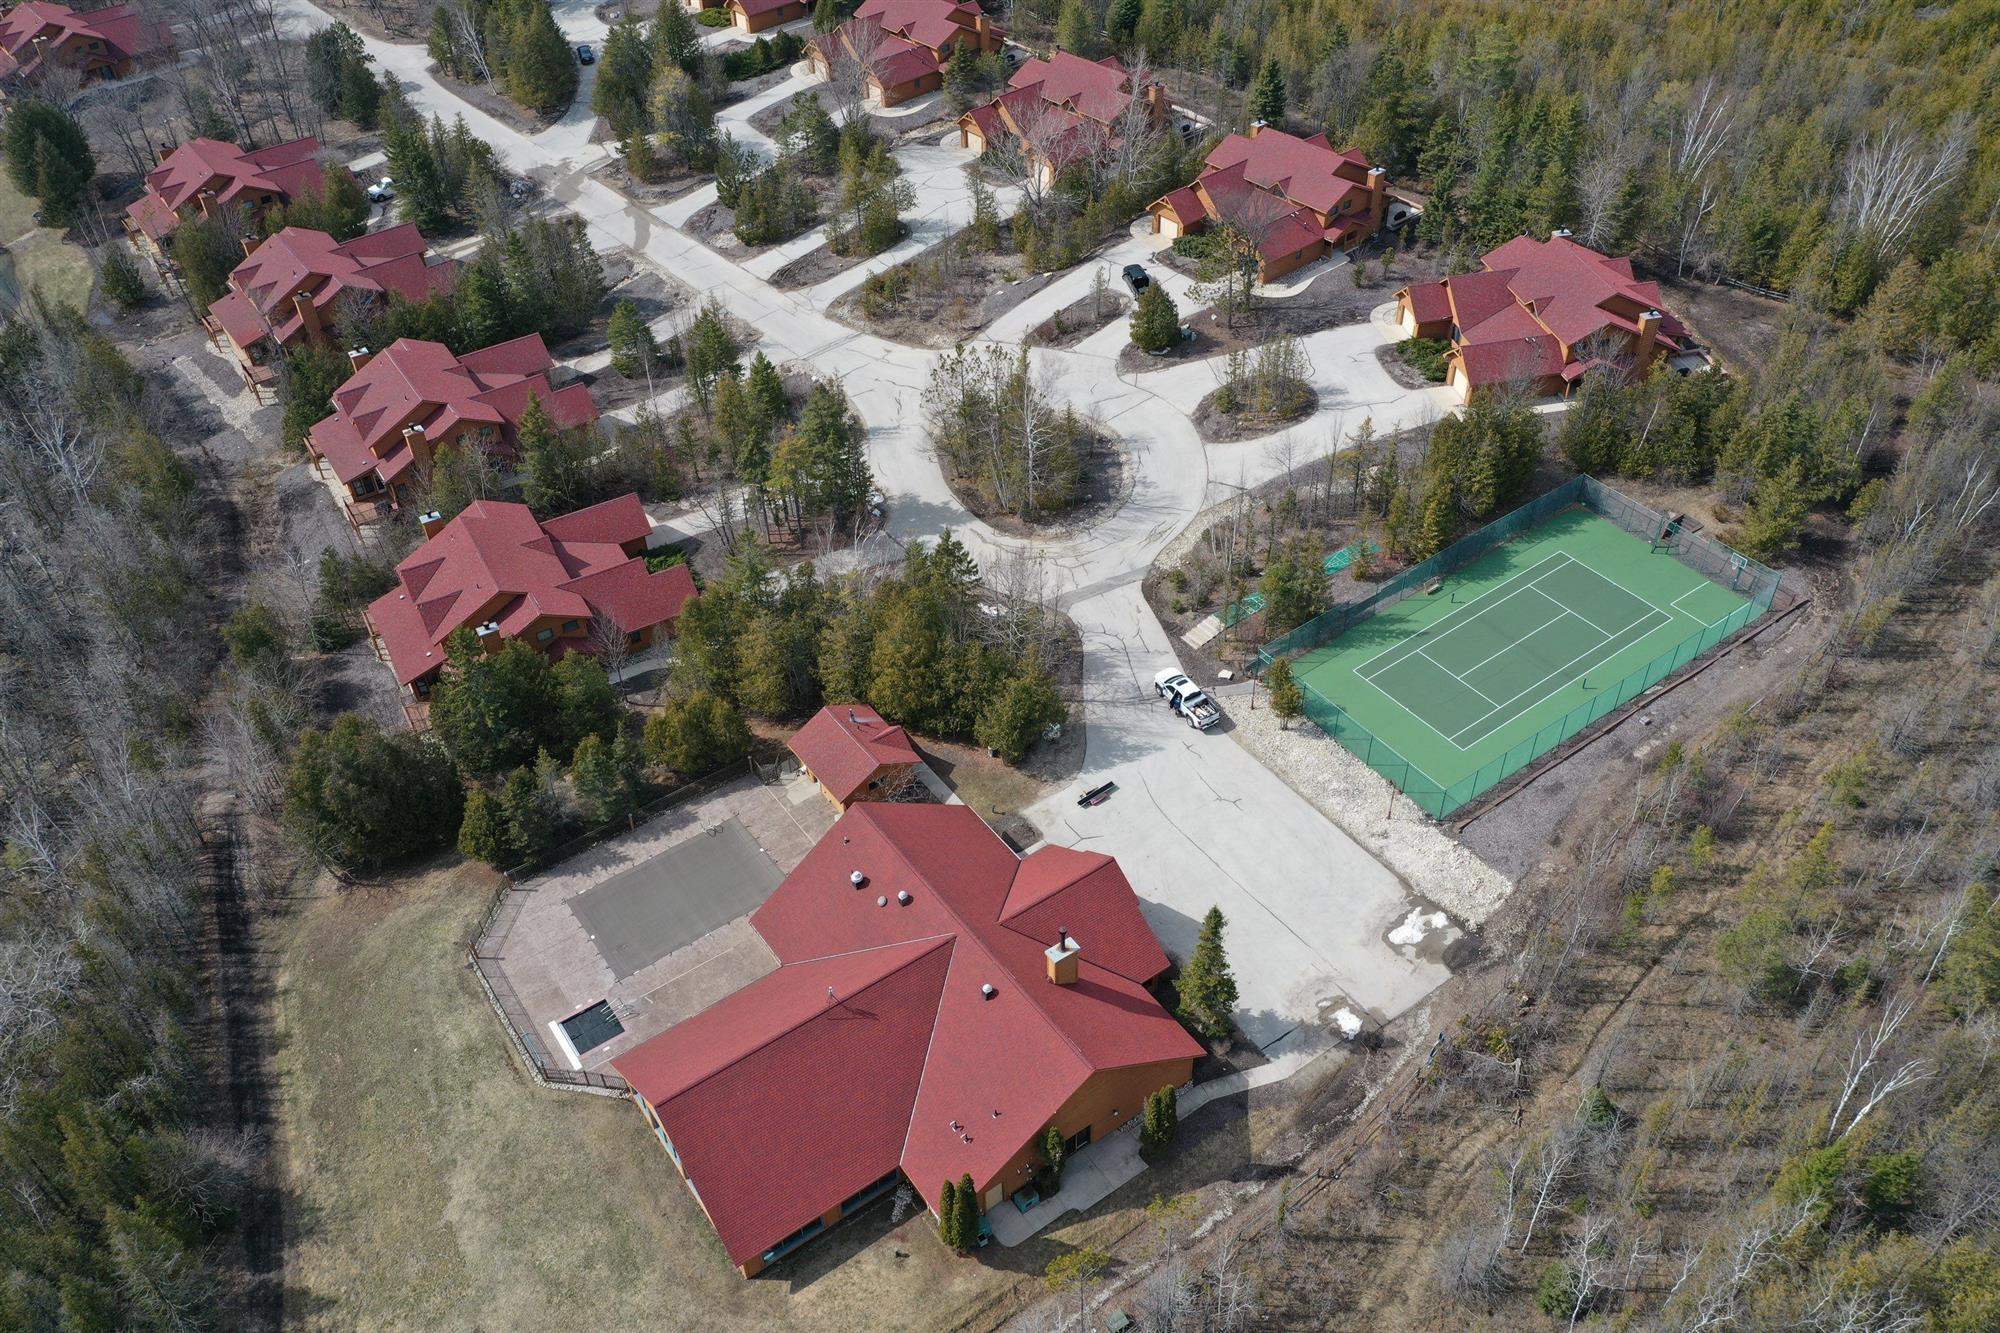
(106,43)
(205,176)
(751,16)
(1063,109)
(1540,315)
(903,46)
(939,1004)
(854,755)
(411,399)
(560,585)
(290,289)
(1297,199)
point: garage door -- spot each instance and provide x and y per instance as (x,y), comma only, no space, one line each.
(1168,227)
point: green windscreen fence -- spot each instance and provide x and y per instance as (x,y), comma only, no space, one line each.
(1754,583)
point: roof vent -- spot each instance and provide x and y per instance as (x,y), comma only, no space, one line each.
(489,628)
(857,879)
(903,897)
(988,991)
(957,1128)
(996,1113)
(881,902)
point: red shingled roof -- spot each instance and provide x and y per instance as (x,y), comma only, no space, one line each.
(727,1084)
(285,170)
(126,36)
(1533,295)
(1280,186)
(412,382)
(843,744)
(389,262)
(495,562)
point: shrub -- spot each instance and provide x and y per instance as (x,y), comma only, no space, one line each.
(123,285)
(1425,356)
(713,18)
(360,797)
(1198,246)
(1555,1290)
(1156,322)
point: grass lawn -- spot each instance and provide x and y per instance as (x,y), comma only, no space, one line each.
(38,257)
(431,1185)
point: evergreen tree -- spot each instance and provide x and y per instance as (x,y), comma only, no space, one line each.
(949,1230)
(676,39)
(586,703)
(48,156)
(826,16)
(495,711)
(1267,95)
(1014,717)
(625,73)
(485,315)
(1122,23)
(484,834)
(361,797)
(560,476)
(118,277)
(1778,509)
(541,69)
(965,1204)
(1160,1123)
(710,350)
(634,352)
(205,251)
(1075,32)
(1206,985)
(310,375)
(1053,1152)
(1434,528)
(1288,701)
(696,734)
(529,812)
(604,782)
(1156,321)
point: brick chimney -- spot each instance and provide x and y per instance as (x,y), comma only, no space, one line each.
(1648,339)
(413,439)
(1062,958)
(249,244)
(358,359)
(308,313)
(1256,128)
(432,523)
(1378,193)
(488,636)
(1560,234)
(205,201)
(1156,103)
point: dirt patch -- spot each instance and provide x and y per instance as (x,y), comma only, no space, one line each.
(1245,422)
(388,20)
(497,105)
(669,184)
(1739,327)
(1105,483)
(940,297)
(1079,319)
(816,266)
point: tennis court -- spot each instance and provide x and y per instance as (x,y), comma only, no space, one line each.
(1447,692)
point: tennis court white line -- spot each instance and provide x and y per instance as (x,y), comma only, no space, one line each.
(1454,675)
(1676,603)
(1608,638)
(1561,611)
(1534,569)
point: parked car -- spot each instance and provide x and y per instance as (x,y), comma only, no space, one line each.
(1186,699)
(381,192)
(1137,278)
(585,55)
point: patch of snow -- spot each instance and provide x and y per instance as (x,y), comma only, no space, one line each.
(1417,925)
(1348,1022)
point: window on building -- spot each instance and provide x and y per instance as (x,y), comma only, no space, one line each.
(1078,1140)
(634,636)
(571,626)
(793,1241)
(866,1195)
(545,635)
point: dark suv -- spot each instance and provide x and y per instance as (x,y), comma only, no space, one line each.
(1137,278)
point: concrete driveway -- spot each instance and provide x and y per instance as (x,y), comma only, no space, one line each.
(1197,822)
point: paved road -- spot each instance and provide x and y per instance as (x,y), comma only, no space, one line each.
(1197,821)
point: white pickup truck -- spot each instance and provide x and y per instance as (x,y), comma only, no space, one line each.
(1185,697)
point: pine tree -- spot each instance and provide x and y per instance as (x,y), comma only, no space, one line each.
(1287,699)
(65,169)
(1207,987)
(484,834)
(634,353)
(965,1204)
(485,315)
(826,16)
(120,280)
(1434,531)
(1053,1152)
(1074,30)
(1156,321)
(531,823)
(1267,95)
(541,69)
(1160,1124)
(1123,21)
(949,1230)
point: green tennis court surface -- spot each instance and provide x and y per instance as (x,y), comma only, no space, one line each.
(1521,648)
